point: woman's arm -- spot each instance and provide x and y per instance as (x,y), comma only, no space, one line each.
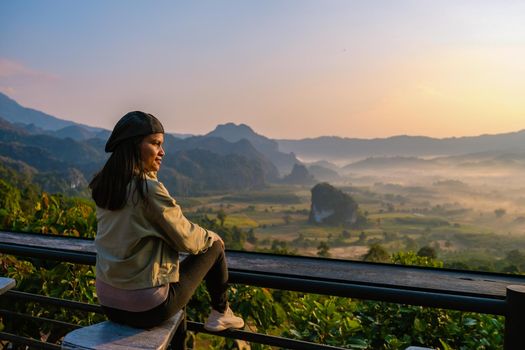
(180,232)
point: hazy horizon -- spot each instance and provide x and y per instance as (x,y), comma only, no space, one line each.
(288,69)
(285,138)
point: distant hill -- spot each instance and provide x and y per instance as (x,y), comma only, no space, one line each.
(198,171)
(62,165)
(487,160)
(233,133)
(299,176)
(325,164)
(75,132)
(223,147)
(11,111)
(472,161)
(344,149)
(194,165)
(66,149)
(383,163)
(78,132)
(324,174)
(57,165)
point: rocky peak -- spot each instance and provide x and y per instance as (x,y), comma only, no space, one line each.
(299,176)
(332,206)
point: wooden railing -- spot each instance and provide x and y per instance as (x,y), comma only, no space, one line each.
(490,293)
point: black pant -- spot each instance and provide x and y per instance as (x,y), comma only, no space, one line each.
(209,266)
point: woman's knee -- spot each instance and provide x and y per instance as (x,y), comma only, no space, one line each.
(219,246)
(217,251)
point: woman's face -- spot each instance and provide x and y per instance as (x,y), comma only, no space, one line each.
(151,151)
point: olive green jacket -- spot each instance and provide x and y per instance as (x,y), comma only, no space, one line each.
(137,246)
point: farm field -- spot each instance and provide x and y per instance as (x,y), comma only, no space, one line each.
(475,223)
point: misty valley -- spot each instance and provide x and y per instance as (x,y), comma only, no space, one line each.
(471,215)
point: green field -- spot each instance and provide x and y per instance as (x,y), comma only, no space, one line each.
(411,218)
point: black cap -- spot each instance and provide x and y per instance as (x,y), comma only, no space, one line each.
(133,124)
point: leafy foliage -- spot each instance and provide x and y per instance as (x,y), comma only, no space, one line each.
(377,253)
(325,319)
(395,326)
(59,280)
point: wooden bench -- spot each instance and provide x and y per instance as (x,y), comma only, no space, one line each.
(113,336)
(6,284)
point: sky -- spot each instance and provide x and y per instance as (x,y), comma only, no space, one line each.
(290,69)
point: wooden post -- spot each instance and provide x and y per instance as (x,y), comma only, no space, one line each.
(515,318)
(179,339)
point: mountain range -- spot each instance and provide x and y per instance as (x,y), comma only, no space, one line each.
(337,149)
(38,122)
(71,153)
(284,161)
(234,157)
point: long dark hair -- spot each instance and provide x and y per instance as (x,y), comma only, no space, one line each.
(109,187)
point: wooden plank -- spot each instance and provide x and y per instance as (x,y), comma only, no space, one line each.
(492,285)
(6,284)
(113,336)
(48,241)
(457,282)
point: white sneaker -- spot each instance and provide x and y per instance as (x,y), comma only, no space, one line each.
(217,321)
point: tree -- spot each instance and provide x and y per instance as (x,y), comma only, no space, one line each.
(410,244)
(427,251)
(280,247)
(9,203)
(516,258)
(500,212)
(250,237)
(511,269)
(221,216)
(238,237)
(323,250)
(377,253)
